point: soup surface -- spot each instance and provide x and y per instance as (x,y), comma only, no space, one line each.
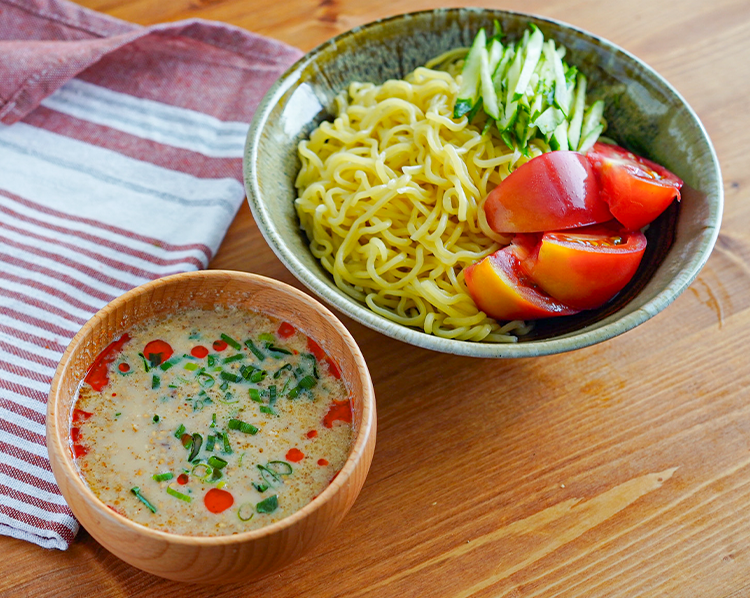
(211,422)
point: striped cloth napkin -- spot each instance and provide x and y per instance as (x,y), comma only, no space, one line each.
(120,162)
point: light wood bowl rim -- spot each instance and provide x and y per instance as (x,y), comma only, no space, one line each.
(359,447)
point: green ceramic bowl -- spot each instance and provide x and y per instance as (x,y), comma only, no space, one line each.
(644,113)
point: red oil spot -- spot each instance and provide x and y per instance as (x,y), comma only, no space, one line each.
(157,352)
(333,368)
(114,394)
(339,411)
(217,500)
(75,433)
(200,351)
(219,345)
(79,450)
(116,510)
(183,479)
(285,330)
(312,433)
(320,355)
(80,415)
(322,462)
(315,349)
(97,376)
(295,455)
(123,367)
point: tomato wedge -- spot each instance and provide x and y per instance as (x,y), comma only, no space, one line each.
(637,190)
(500,288)
(586,267)
(554,191)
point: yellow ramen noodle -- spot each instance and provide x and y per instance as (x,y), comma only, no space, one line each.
(390,197)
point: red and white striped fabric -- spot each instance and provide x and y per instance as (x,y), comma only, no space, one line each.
(120,162)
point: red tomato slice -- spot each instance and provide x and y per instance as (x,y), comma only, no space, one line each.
(554,191)
(501,289)
(637,190)
(586,267)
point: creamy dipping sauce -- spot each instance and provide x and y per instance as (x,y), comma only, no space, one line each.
(210,423)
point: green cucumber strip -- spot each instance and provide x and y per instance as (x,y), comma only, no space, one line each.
(489,97)
(576,112)
(592,118)
(494,54)
(532,52)
(562,98)
(560,137)
(548,121)
(590,139)
(469,90)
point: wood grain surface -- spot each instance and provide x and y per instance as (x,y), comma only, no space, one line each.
(618,470)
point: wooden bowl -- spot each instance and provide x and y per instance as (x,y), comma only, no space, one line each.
(221,559)
(644,113)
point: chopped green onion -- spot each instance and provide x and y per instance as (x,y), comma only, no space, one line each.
(268,410)
(196,445)
(137,491)
(231,358)
(190,366)
(217,462)
(227,446)
(229,398)
(266,336)
(163,477)
(194,335)
(168,364)
(246,371)
(207,471)
(258,376)
(230,341)
(210,441)
(155,382)
(260,487)
(155,419)
(179,431)
(213,421)
(118,414)
(245,512)
(255,395)
(280,467)
(268,505)
(257,352)
(211,361)
(229,377)
(172,492)
(276,349)
(244,427)
(272,395)
(145,362)
(269,475)
(224,385)
(307,382)
(277,373)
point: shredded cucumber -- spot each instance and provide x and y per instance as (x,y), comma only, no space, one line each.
(526,91)
(468,92)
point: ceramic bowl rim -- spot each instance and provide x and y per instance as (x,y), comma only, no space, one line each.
(596,332)
(356,454)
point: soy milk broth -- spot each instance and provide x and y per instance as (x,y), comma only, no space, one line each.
(211,422)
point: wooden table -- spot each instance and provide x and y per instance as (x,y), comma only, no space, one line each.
(618,470)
